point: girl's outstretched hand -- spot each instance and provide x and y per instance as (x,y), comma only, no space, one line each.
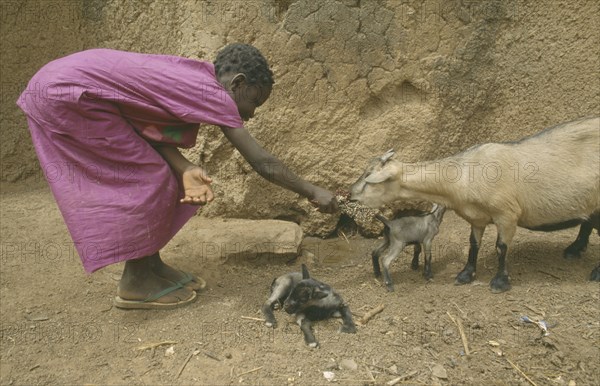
(324,200)
(196,185)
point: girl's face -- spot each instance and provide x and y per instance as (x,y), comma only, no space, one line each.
(248,97)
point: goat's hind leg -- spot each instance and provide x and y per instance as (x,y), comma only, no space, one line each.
(267,310)
(278,294)
(348,325)
(578,246)
(468,273)
(414,264)
(305,326)
(595,276)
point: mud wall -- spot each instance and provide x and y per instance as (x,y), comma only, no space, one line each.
(32,33)
(353,78)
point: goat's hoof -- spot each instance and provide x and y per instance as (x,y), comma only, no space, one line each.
(377,274)
(389,287)
(270,320)
(348,329)
(464,277)
(428,275)
(572,253)
(595,276)
(414,267)
(313,344)
(500,284)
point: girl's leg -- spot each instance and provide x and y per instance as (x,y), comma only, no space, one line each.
(139,281)
(167,272)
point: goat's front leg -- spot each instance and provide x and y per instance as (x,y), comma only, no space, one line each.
(506,232)
(427,272)
(305,326)
(468,273)
(348,324)
(392,253)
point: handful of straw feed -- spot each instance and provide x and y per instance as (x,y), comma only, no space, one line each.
(364,217)
(355,210)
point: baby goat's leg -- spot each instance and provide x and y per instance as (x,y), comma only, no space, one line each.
(392,253)
(279,292)
(267,310)
(595,275)
(468,273)
(348,324)
(414,265)
(427,273)
(377,252)
(506,231)
(305,326)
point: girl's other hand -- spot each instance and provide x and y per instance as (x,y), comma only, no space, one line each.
(196,185)
(324,200)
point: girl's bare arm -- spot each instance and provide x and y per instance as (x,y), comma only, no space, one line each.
(273,170)
(196,183)
(174,158)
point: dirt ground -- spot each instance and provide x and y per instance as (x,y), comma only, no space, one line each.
(58,325)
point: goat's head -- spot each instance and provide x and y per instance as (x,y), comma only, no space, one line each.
(373,188)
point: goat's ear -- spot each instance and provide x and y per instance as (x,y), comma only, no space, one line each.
(380,176)
(319,293)
(305,274)
(389,154)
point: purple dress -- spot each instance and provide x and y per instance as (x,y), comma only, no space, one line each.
(93,117)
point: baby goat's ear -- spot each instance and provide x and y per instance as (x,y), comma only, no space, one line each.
(319,293)
(380,176)
(305,274)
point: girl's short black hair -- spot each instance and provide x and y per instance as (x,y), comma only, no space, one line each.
(246,59)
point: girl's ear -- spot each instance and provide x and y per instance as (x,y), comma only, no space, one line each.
(237,81)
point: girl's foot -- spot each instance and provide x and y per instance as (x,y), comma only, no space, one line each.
(139,284)
(167,272)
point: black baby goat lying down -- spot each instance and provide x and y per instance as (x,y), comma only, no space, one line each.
(308,300)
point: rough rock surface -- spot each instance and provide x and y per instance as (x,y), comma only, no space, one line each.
(225,240)
(353,78)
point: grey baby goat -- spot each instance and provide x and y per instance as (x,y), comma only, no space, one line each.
(407,230)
